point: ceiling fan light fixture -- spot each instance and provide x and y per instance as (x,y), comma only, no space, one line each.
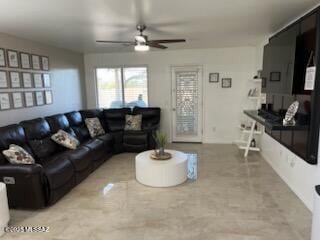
(141,48)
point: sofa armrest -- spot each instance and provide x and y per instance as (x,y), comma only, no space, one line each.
(20,169)
(26,186)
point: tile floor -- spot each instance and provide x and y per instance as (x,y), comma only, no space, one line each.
(231,199)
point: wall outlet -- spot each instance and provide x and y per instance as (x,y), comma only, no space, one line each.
(292,162)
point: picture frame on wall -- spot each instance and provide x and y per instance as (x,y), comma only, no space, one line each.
(39,98)
(2,58)
(3,79)
(5,101)
(45,63)
(35,62)
(25,60)
(15,81)
(37,79)
(226,82)
(46,80)
(27,80)
(17,100)
(48,97)
(29,99)
(214,77)
(13,59)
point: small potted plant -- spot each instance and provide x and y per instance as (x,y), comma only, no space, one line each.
(161,140)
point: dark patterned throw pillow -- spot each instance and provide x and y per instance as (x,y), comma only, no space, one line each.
(133,122)
(17,155)
(65,139)
(94,126)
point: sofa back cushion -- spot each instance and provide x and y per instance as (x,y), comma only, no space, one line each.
(12,134)
(94,113)
(150,117)
(38,135)
(77,124)
(116,118)
(60,122)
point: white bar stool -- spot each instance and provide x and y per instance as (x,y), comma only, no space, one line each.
(4,208)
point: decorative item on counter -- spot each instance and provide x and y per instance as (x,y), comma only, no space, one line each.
(159,153)
(253,143)
(291,112)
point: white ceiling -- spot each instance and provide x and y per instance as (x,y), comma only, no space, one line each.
(76,24)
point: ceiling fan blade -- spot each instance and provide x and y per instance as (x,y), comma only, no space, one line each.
(168,41)
(156,45)
(123,42)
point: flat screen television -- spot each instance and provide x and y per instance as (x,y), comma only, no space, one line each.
(286,58)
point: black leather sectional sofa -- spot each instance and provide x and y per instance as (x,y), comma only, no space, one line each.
(57,169)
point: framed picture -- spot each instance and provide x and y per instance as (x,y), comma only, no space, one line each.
(45,63)
(39,98)
(35,62)
(37,78)
(17,101)
(275,76)
(226,83)
(25,60)
(28,99)
(48,97)
(214,77)
(15,81)
(13,60)
(27,80)
(3,79)
(2,58)
(5,101)
(46,80)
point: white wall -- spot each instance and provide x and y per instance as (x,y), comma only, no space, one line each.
(300,176)
(222,107)
(67,80)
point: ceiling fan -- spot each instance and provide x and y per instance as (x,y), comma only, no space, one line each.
(142,43)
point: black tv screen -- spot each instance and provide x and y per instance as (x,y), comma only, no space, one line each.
(279,62)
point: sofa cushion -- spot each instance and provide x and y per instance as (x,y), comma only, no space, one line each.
(96,146)
(59,121)
(38,135)
(17,155)
(150,117)
(94,126)
(135,138)
(108,142)
(117,141)
(133,122)
(107,138)
(94,113)
(59,170)
(12,134)
(43,148)
(77,124)
(81,158)
(116,118)
(65,139)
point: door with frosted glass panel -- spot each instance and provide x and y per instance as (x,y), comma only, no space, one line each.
(187,104)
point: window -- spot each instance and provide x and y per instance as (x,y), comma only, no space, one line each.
(122,87)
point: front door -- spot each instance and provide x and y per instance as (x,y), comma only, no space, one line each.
(187,104)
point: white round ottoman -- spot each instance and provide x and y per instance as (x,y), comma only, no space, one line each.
(165,173)
(4,209)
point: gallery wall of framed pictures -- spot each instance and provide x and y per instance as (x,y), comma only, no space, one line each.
(24,80)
